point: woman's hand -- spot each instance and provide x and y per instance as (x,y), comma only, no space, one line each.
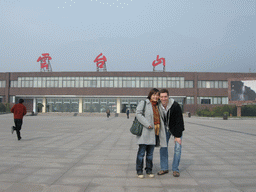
(150,127)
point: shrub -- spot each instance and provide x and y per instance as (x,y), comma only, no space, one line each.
(249,110)
(7,108)
(2,107)
(226,113)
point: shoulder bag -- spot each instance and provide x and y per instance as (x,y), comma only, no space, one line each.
(136,128)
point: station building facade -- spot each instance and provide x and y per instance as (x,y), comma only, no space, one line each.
(97,91)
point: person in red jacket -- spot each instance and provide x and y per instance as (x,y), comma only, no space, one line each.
(19,110)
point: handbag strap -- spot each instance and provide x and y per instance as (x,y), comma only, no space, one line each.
(143,112)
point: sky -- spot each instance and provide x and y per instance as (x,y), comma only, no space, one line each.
(192,35)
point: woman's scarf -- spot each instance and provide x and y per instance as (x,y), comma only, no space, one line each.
(156,117)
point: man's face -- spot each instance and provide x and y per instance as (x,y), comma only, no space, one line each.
(164,98)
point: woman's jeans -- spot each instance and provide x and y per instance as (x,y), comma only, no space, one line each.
(149,149)
(164,155)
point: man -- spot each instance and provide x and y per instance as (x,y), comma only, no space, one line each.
(19,110)
(172,119)
(108,113)
(127,113)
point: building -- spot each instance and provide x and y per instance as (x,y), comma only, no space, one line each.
(97,91)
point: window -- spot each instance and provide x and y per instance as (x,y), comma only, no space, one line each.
(190,100)
(189,84)
(212,84)
(212,100)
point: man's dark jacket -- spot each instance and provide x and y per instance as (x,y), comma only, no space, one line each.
(174,119)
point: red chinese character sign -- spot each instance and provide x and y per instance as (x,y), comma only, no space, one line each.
(45,66)
(159,61)
(101,62)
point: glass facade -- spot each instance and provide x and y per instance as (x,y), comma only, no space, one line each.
(212,84)
(99,105)
(130,103)
(190,100)
(2,84)
(212,100)
(62,104)
(100,82)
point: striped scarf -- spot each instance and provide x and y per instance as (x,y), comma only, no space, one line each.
(156,117)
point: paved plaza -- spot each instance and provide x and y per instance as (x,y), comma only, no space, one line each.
(67,153)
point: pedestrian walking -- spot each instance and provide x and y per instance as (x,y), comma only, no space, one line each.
(127,113)
(19,110)
(108,113)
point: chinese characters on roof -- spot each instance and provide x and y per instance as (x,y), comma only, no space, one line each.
(158,61)
(101,62)
(45,66)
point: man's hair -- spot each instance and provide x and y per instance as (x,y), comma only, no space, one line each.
(164,91)
(21,100)
(152,92)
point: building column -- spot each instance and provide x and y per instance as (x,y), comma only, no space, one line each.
(239,111)
(34,105)
(118,105)
(80,105)
(44,105)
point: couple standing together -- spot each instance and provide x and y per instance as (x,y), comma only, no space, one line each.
(160,120)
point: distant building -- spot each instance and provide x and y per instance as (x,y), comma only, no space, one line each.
(96,91)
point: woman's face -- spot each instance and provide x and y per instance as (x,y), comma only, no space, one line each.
(155,97)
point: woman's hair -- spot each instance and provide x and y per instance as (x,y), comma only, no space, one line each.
(152,92)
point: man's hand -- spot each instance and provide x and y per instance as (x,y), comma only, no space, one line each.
(150,127)
(176,139)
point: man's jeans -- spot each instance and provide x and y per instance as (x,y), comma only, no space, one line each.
(17,128)
(164,155)
(149,149)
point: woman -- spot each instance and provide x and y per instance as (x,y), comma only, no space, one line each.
(151,129)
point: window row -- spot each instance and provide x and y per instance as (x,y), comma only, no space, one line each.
(190,100)
(116,82)
(2,84)
(212,84)
(212,100)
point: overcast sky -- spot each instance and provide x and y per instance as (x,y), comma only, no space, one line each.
(192,35)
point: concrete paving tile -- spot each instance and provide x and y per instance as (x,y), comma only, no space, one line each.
(105,189)
(64,153)
(251,173)
(249,189)
(88,166)
(182,189)
(40,179)
(243,181)
(221,189)
(65,188)
(112,173)
(74,181)
(25,171)
(215,182)
(48,171)
(146,182)
(5,185)
(178,181)
(109,182)
(12,177)
(204,174)
(234,174)
(144,189)
(82,172)
(25,187)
